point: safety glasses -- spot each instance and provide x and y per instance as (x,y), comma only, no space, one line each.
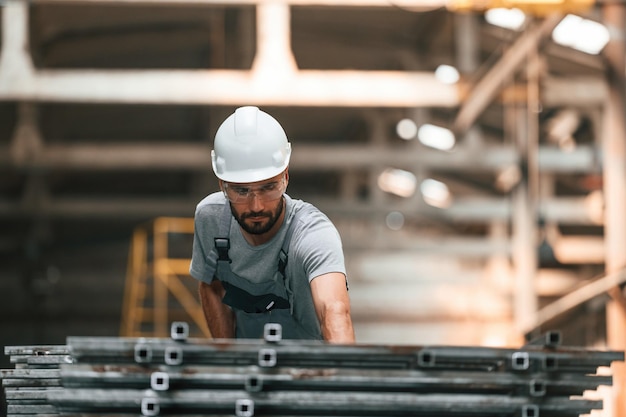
(240,193)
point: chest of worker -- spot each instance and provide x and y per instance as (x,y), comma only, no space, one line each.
(256,264)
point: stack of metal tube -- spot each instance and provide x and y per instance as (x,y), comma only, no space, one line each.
(275,377)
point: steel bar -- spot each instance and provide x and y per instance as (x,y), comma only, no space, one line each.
(307,354)
(36,382)
(256,379)
(38,356)
(131,376)
(89,401)
(29,374)
(38,410)
(37,350)
(32,395)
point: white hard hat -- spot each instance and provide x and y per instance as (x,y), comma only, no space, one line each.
(250,145)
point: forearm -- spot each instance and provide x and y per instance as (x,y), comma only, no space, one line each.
(336,323)
(219,316)
(332,305)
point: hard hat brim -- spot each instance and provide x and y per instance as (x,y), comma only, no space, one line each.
(251,175)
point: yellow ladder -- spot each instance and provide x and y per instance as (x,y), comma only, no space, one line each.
(159,289)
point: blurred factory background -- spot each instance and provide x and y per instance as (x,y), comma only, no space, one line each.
(471,157)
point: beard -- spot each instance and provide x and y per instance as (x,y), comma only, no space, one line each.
(259,227)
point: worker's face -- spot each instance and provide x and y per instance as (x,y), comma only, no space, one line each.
(257,206)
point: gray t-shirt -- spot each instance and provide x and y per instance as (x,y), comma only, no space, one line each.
(315,249)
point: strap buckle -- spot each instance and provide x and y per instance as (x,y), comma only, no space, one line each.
(222,245)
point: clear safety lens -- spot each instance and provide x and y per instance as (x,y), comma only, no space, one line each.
(266,192)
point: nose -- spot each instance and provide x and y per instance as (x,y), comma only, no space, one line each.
(255,202)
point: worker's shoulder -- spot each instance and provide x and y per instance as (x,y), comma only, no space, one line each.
(306,214)
(310,228)
(210,205)
(302,209)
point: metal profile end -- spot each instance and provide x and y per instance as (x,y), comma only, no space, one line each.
(530,410)
(143,353)
(553,338)
(273,332)
(549,339)
(150,407)
(173,355)
(537,388)
(179,331)
(426,358)
(550,363)
(160,381)
(520,361)
(267,358)
(254,383)
(244,408)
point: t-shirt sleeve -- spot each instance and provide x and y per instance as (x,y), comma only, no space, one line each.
(318,246)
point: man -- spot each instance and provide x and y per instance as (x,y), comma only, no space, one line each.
(261,256)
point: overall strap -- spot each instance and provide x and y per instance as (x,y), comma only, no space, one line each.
(224,226)
(284,250)
(222,242)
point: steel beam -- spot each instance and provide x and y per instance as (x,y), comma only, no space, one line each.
(572,211)
(580,296)
(194,157)
(262,85)
(485,90)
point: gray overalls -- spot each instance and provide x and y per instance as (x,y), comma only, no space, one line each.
(256,304)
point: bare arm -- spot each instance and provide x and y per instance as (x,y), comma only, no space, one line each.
(332,305)
(219,316)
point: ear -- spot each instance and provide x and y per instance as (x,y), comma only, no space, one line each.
(287,176)
(221,184)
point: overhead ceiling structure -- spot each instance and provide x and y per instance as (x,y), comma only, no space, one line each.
(108,109)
